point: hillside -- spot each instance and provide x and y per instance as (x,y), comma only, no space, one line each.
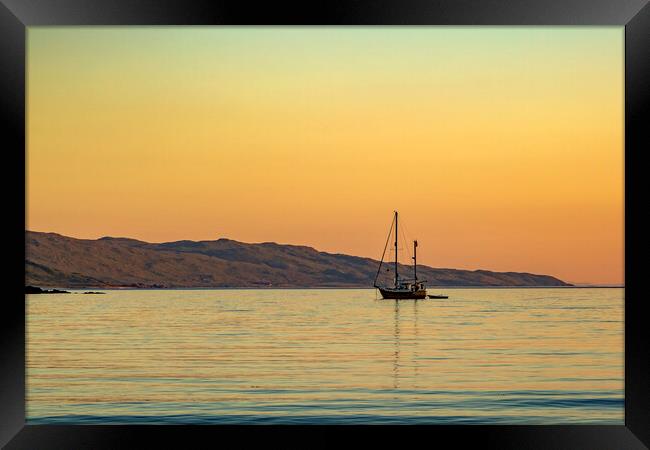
(53,260)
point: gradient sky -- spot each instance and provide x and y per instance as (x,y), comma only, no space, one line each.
(502,147)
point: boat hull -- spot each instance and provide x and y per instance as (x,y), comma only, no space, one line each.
(398,294)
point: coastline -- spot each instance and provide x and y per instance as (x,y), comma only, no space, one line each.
(248,288)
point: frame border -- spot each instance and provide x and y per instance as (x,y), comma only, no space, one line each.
(16,15)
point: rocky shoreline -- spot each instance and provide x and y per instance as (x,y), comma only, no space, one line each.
(37,290)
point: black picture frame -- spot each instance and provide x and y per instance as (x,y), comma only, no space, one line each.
(16,15)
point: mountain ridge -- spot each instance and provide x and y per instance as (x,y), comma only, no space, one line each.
(55,260)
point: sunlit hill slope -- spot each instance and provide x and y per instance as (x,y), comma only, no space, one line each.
(54,260)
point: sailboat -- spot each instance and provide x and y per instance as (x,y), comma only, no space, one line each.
(404,288)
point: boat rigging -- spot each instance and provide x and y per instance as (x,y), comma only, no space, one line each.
(403,288)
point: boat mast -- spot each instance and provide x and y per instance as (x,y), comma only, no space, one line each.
(396,277)
(415,260)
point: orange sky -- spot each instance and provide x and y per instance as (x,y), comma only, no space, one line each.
(502,147)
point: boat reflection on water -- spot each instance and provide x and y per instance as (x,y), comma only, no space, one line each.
(413,346)
(396,353)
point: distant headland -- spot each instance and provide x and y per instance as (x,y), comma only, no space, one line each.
(53,260)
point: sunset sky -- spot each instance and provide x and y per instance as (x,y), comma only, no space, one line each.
(501,147)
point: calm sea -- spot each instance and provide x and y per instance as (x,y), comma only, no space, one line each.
(520,356)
